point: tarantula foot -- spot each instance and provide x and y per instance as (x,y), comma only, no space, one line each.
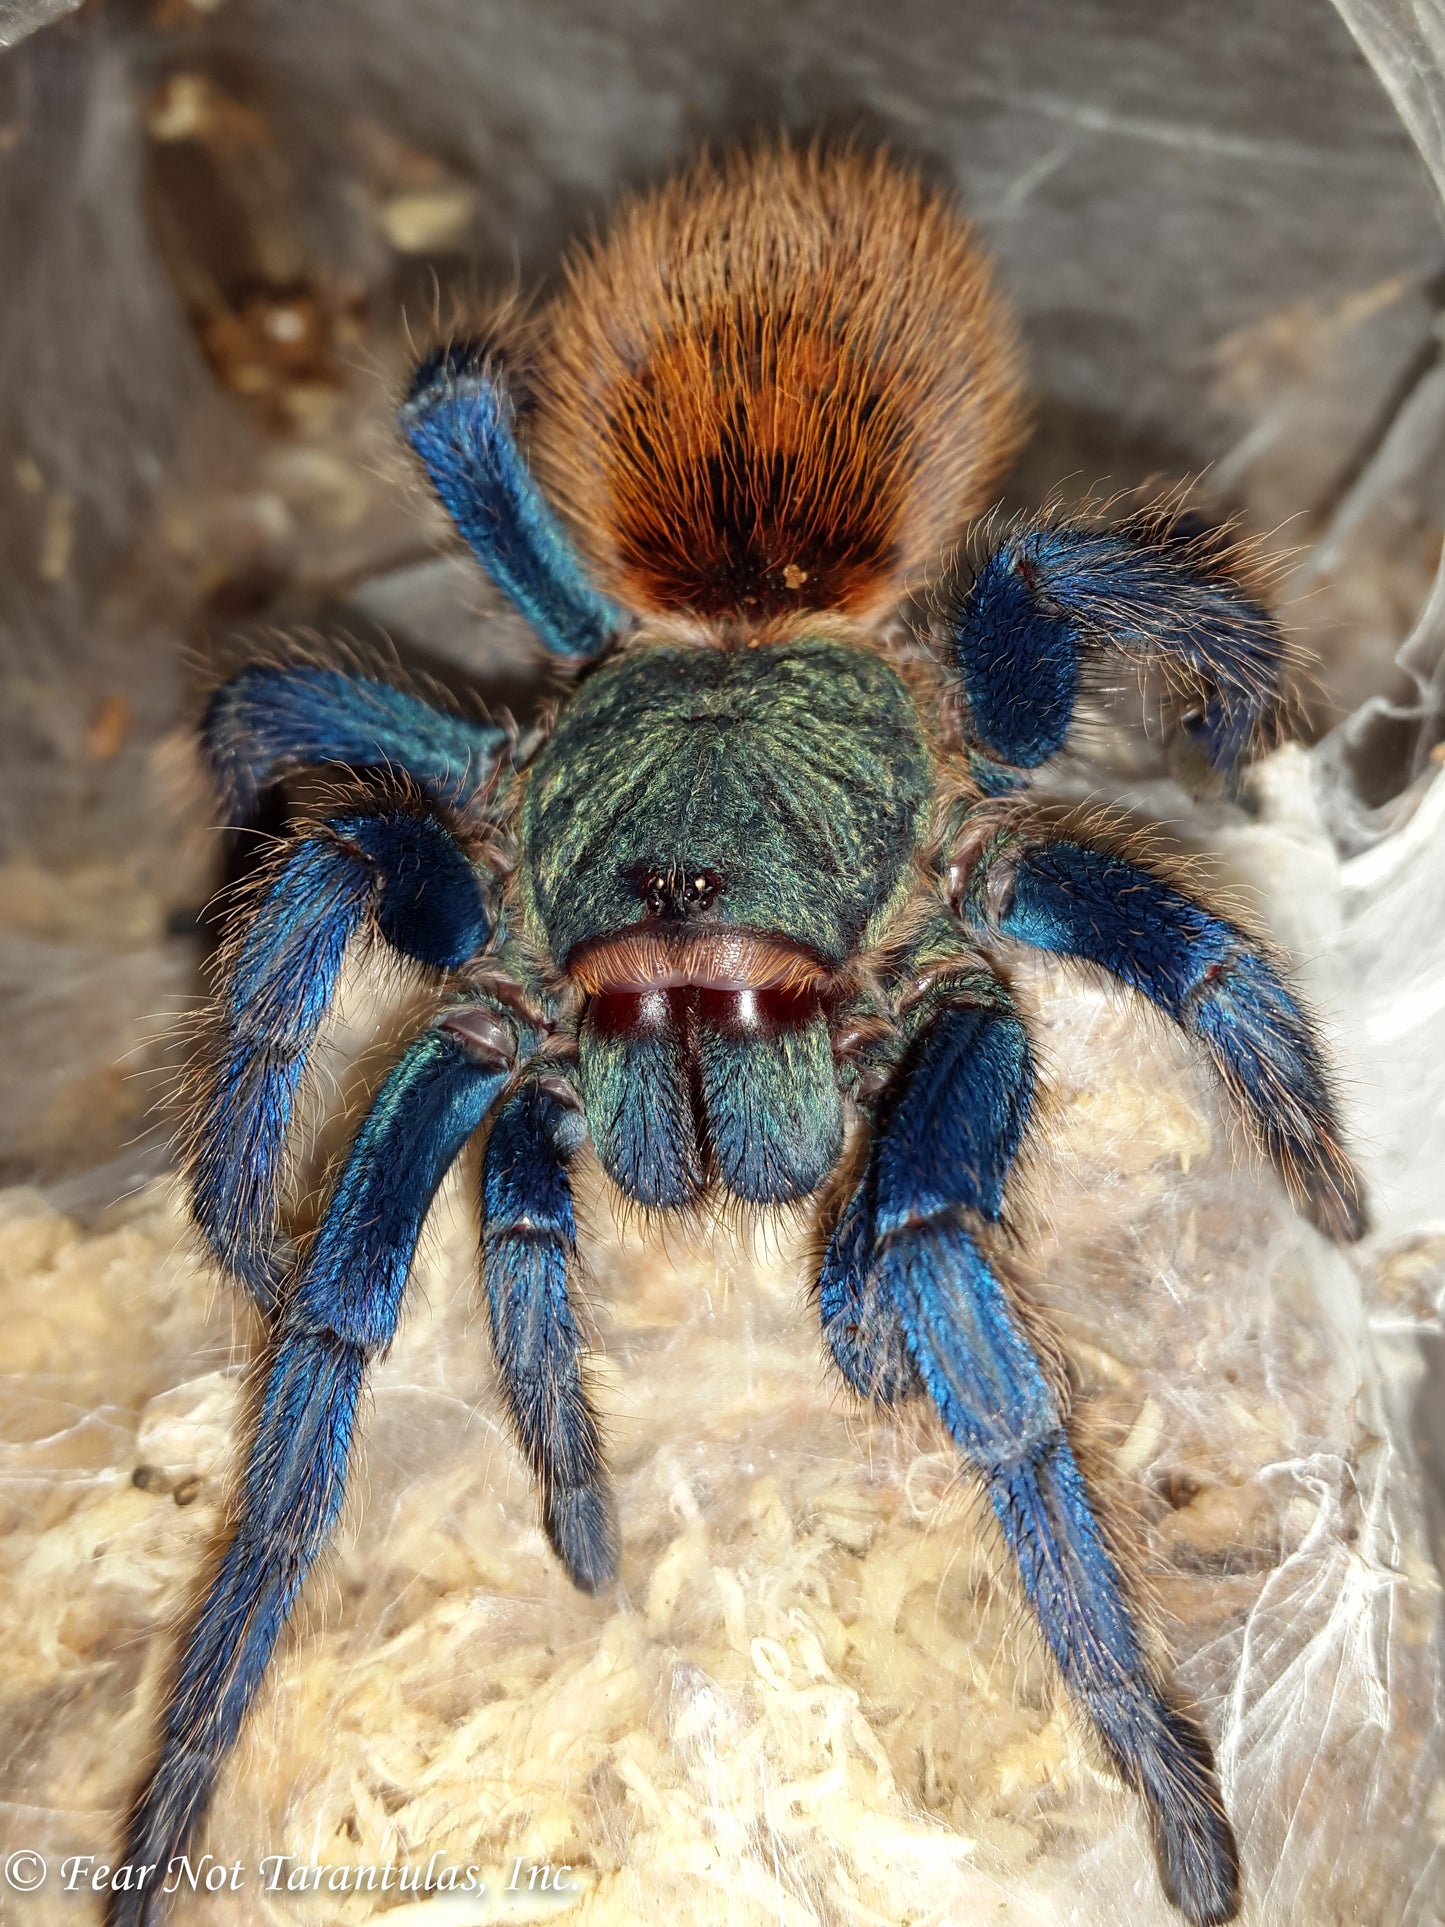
(582,1527)
(1193,1840)
(1330,1198)
(1200,1876)
(440,372)
(1164,1756)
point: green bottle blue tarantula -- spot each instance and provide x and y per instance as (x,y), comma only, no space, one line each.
(743,905)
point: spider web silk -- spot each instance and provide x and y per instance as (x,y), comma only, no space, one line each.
(1404,41)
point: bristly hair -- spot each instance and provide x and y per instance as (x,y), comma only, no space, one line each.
(783,383)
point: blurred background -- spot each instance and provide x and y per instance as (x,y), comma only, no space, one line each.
(226,226)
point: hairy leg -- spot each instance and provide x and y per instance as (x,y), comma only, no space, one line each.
(637,1075)
(1059,894)
(908,1255)
(340,1315)
(529,1245)
(458,418)
(1050,597)
(981,1119)
(770,1097)
(400,870)
(274,718)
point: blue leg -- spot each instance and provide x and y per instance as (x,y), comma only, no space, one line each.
(1049,598)
(981,1048)
(860,1322)
(774,1112)
(273,718)
(341,1314)
(637,1082)
(459,420)
(402,871)
(938,1167)
(1079,902)
(529,1239)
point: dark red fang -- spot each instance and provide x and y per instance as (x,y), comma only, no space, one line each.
(748,1015)
(753,1014)
(632,1013)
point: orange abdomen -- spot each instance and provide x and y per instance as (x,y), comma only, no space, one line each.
(783,383)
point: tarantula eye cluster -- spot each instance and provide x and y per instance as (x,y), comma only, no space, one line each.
(766,403)
(680,893)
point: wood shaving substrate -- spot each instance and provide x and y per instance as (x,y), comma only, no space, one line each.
(814,1696)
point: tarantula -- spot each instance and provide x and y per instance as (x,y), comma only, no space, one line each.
(741,906)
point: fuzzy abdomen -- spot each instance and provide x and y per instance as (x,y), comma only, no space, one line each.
(782,384)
